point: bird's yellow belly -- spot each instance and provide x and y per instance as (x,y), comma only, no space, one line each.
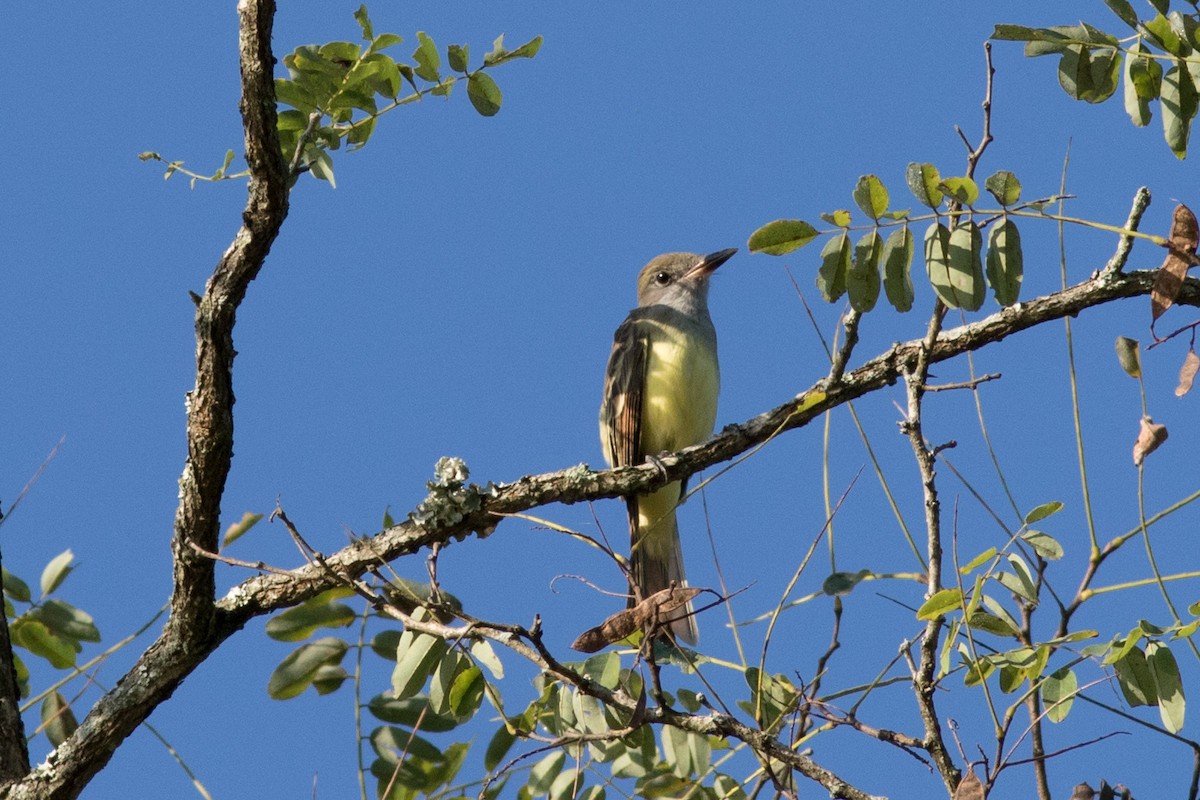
(679,401)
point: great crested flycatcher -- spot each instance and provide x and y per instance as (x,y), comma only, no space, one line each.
(660,395)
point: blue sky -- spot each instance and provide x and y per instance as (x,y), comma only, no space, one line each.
(456,295)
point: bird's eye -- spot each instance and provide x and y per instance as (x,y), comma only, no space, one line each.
(662,278)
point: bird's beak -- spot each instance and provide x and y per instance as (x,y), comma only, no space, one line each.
(708,265)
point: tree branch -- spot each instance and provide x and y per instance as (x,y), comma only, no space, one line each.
(190,635)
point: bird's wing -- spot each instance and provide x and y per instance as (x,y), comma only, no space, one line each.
(624,382)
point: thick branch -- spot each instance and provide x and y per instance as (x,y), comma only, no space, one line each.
(189,635)
(267,593)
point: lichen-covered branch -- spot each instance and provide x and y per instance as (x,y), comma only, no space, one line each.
(189,635)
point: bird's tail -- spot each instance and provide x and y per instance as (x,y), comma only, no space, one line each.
(657,555)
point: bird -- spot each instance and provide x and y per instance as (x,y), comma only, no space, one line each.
(660,396)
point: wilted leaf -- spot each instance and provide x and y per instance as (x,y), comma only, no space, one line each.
(1005,262)
(1181,244)
(871,196)
(862,282)
(651,612)
(970,787)
(835,267)
(1149,438)
(923,181)
(1187,373)
(781,237)
(897,269)
(1129,356)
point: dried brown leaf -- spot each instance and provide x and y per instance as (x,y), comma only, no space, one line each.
(646,615)
(1187,373)
(1182,245)
(1149,438)
(970,787)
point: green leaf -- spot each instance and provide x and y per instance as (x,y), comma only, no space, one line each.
(1058,694)
(1171,705)
(322,167)
(482,652)
(1004,186)
(63,619)
(498,55)
(297,671)
(1178,108)
(458,56)
(429,63)
(1136,680)
(871,196)
(940,604)
(1043,511)
(1163,34)
(14,587)
(1142,83)
(543,773)
(990,623)
(301,622)
(58,720)
(897,268)
(329,678)
(1129,356)
(1089,74)
(417,655)
(1005,262)
(924,182)
(1044,545)
(412,712)
(978,561)
(966,266)
(840,218)
(862,282)
(499,745)
(1124,10)
(384,41)
(840,584)
(364,22)
(937,262)
(466,692)
(42,642)
(962,189)
(484,93)
(835,267)
(57,571)
(238,529)
(781,237)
